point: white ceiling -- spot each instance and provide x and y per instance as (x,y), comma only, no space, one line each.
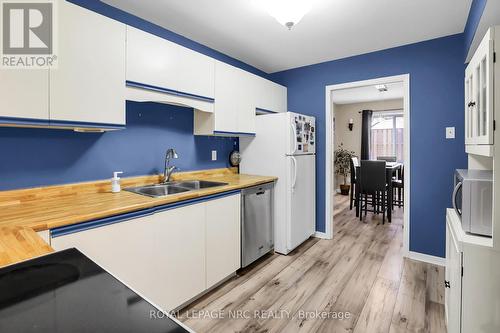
(367,94)
(333,29)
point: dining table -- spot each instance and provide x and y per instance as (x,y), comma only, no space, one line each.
(390,169)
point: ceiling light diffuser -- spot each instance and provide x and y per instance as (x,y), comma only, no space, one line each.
(286,12)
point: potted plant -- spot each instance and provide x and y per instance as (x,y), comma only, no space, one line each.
(343,167)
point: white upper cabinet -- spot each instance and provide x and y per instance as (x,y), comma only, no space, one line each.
(161,71)
(228,98)
(24,97)
(88,86)
(102,63)
(479,97)
(239,95)
(234,111)
(270,97)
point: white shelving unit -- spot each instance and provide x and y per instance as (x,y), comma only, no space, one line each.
(472,262)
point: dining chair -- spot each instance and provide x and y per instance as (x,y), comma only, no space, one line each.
(372,182)
(398,185)
(354,163)
(387,158)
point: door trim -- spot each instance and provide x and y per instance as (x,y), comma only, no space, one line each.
(329,130)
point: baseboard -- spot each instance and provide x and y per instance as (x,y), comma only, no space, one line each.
(426,258)
(322,235)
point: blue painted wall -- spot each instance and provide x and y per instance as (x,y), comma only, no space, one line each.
(475,14)
(137,22)
(35,157)
(436,81)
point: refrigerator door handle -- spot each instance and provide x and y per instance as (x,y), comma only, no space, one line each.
(294,139)
(294,178)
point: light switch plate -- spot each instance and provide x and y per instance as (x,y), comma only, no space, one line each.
(450,132)
(214,155)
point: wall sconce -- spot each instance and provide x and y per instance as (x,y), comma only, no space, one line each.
(351,124)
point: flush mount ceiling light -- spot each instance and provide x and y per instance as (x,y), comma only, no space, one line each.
(286,12)
(381,87)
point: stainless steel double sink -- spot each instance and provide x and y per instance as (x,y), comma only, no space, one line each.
(170,188)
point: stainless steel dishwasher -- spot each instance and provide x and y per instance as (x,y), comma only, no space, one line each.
(257,225)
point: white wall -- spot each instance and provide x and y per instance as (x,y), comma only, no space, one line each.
(352,139)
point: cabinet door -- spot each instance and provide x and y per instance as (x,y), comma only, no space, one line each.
(223,238)
(227,98)
(89,83)
(281,98)
(24,94)
(480,92)
(154,61)
(179,260)
(162,256)
(468,107)
(234,100)
(123,249)
(246,103)
(453,291)
(270,96)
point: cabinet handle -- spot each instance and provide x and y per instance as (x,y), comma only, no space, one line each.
(446,284)
(472,104)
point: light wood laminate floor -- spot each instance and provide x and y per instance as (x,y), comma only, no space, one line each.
(360,272)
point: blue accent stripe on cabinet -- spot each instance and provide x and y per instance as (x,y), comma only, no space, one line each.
(234,133)
(260,110)
(168,91)
(71,229)
(56,123)
(23,121)
(196,200)
(71,123)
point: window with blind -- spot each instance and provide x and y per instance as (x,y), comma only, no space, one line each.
(386,137)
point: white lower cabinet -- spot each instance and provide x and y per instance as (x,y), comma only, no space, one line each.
(169,256)
(453,281)
(472,295)
(223,238)
(178,255)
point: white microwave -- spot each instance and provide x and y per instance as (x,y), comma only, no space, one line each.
(473,200)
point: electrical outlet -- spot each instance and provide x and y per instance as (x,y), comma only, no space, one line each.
(450,132)
(214,155)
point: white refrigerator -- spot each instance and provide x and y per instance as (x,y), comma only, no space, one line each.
(285,147)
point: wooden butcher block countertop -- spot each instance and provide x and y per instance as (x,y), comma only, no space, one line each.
(19,244)
(23,212)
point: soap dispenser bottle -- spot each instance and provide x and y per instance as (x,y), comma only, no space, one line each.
(115,182)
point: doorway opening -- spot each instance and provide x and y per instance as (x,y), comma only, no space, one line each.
(369,120)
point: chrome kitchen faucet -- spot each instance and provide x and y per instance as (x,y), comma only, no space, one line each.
(169,169)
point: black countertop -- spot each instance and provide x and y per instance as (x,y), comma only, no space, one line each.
(67,292)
